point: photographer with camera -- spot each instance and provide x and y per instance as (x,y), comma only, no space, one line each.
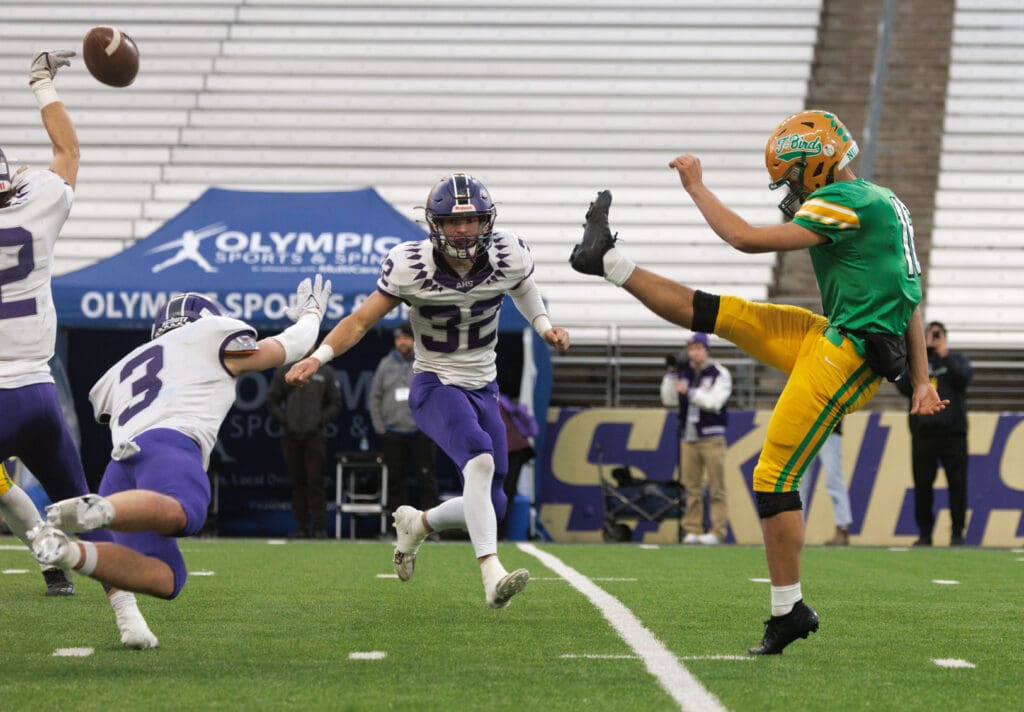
(942,437)
(701,388)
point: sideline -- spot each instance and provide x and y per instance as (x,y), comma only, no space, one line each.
(676,680)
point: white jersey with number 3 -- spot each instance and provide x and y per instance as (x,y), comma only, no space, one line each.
(455,318)
(29,226)
(176,381)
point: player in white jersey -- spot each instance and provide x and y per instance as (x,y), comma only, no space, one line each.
(34,204)
(455,283)
(165,402)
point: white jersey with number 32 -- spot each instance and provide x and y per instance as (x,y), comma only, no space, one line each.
(29,226)
(455,318)
(176,381)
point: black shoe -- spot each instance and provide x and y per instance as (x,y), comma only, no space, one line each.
(956,540)
(923,541)
(588,256)
(780,631)
(58,582)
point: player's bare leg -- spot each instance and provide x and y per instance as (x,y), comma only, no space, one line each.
(670,300)
(597,254)
(109,563)
(128,511)
(783,539)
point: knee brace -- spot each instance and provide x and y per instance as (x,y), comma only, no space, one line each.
(705,311)
(771,503)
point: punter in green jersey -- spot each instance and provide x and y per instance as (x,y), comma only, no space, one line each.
(860,239)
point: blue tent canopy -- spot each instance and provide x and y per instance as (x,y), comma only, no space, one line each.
(249,250)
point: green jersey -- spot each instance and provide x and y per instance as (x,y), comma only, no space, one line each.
(867,272)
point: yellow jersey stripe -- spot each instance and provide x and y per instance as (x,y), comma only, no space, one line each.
(826,213)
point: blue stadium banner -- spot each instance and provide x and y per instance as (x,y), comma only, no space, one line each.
(582,446)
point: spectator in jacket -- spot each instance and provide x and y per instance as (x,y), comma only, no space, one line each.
(701,388)
(403,444)
(303,414)
(941,438)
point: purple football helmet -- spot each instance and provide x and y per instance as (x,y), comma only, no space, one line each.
(455,196)
(183,309)
(5,173)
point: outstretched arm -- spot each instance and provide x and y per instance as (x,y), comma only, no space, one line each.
(346,333)
(729,226)
(55,117)
(308,308)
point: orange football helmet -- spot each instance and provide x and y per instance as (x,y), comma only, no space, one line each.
(805,152)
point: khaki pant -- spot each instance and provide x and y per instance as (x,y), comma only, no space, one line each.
(697,459)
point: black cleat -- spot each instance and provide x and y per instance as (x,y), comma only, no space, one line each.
(588,255)
(58,582)
(780,631)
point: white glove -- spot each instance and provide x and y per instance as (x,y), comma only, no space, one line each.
(310,299)
(46,64)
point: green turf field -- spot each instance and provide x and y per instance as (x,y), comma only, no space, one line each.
(276,626)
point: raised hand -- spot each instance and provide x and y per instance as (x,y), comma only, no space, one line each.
(310,298)
(688,167)
(46,64)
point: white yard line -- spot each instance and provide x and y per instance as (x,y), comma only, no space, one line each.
(368,655)
(72,652)
(676,680)
(953,663)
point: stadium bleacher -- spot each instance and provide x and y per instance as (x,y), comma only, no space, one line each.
(976,281)
(546,105)
(571,100)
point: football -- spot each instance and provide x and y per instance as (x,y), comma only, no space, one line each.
(111,56)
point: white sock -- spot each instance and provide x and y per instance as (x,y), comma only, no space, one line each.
(476,496)
(122,600)
(447,515)
(492,572)
(617,267)
(19,512)
(784,597)
(135,632)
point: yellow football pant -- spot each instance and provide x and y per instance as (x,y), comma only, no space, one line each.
(5,481)
(827,379)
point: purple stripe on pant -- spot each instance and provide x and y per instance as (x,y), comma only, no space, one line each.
(170,463)
(464,424)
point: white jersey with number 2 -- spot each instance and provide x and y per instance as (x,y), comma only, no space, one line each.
(29,226)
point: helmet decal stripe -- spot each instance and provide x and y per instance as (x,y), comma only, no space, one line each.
(460,185)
